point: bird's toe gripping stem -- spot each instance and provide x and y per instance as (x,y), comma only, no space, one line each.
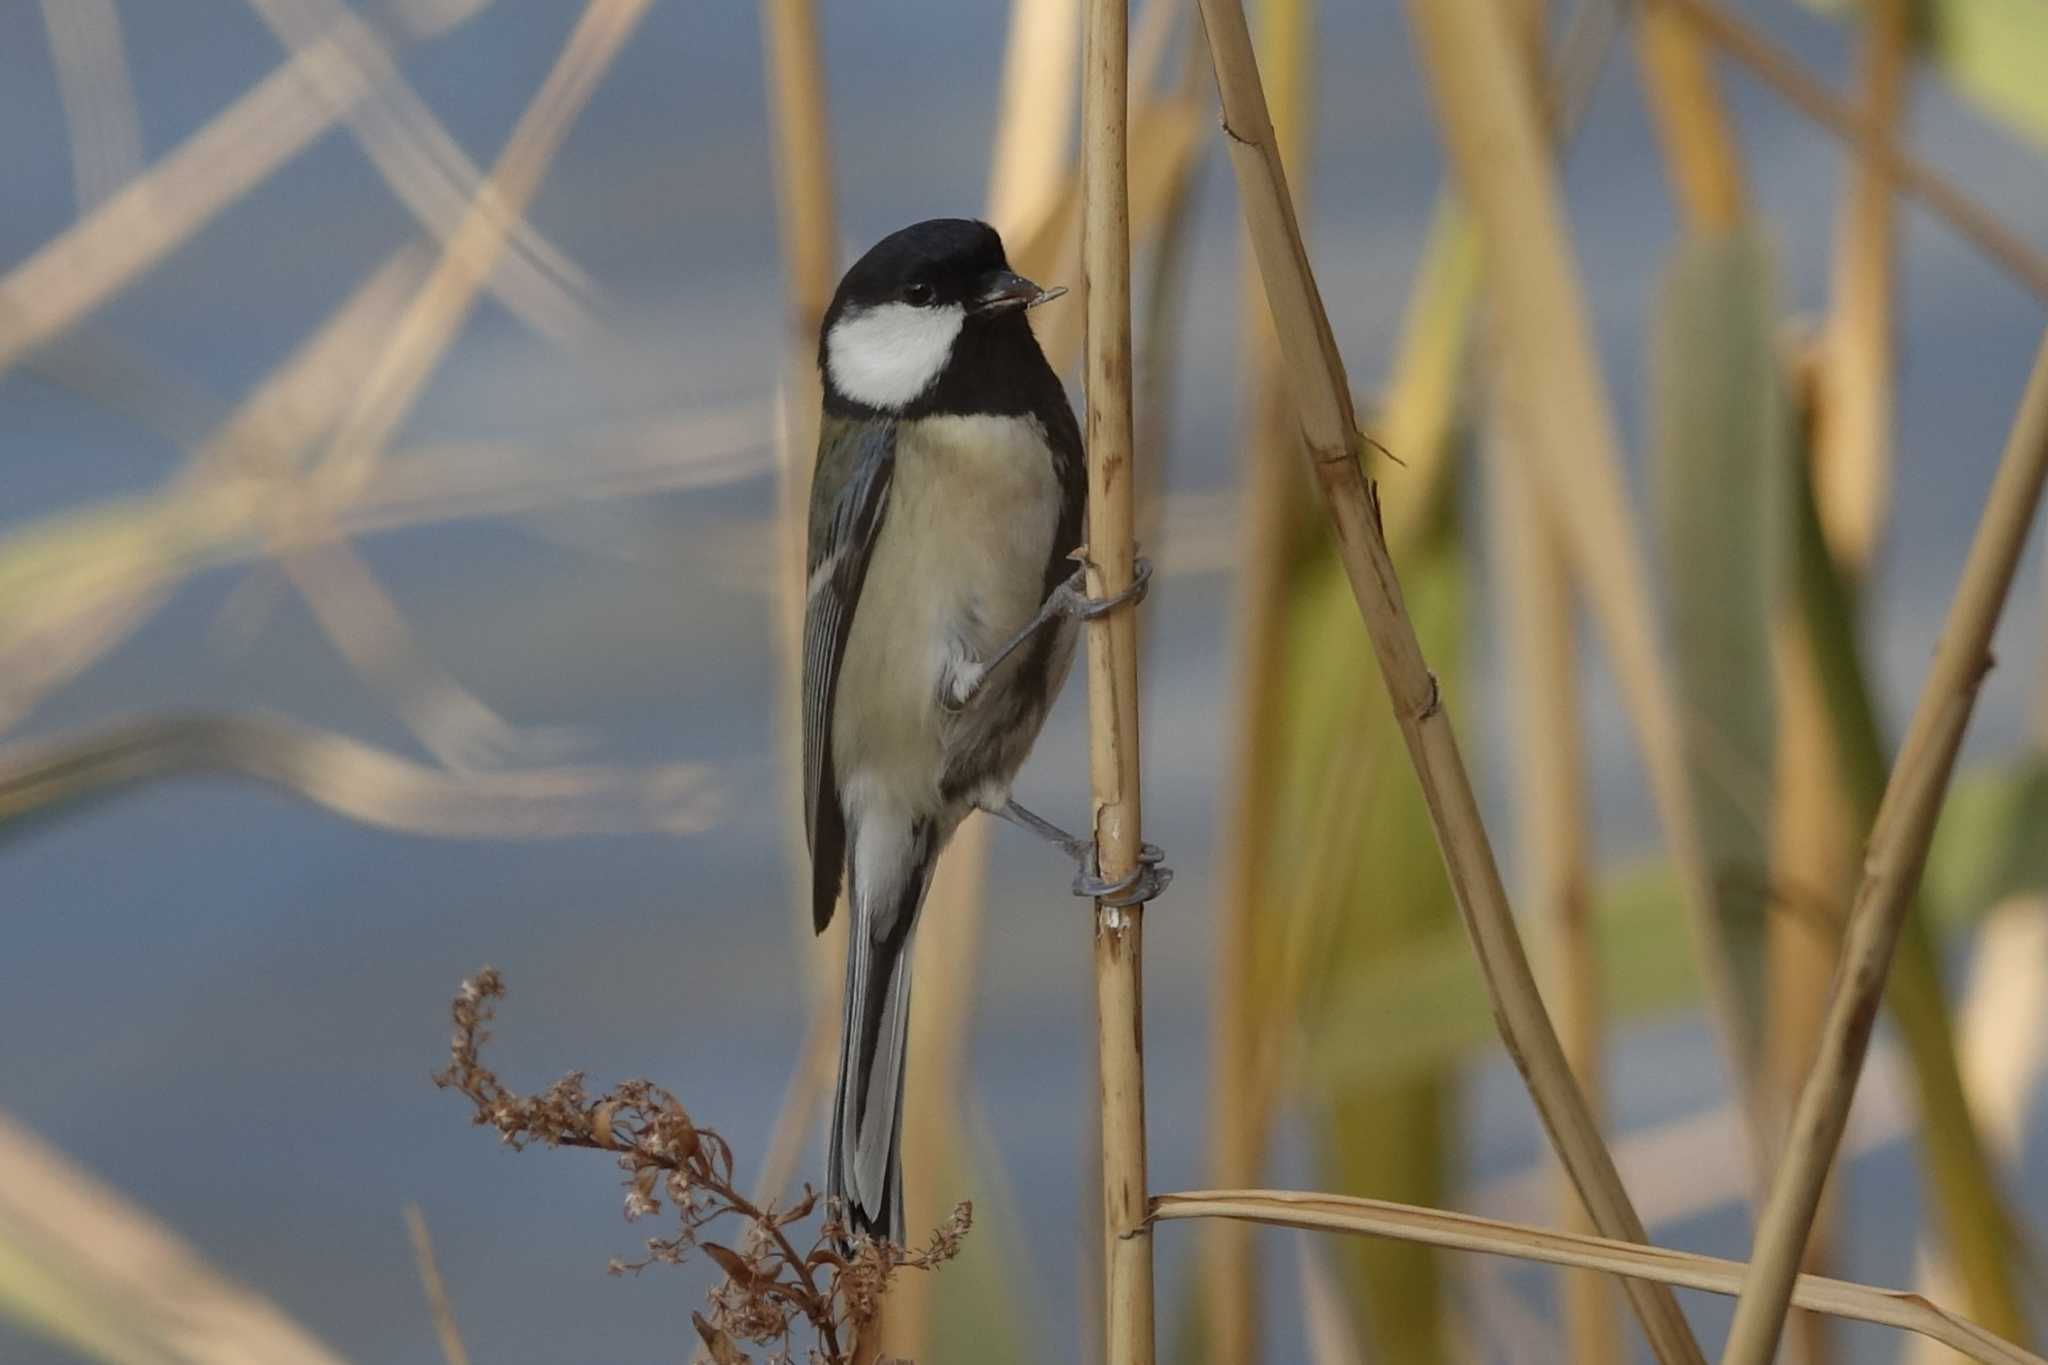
(1075,602)
(1141,884)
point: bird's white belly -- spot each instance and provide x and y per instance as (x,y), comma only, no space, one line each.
(957,569)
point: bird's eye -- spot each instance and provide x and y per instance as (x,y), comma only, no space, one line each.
(917,295)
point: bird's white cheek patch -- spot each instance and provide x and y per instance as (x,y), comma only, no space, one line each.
(887,357)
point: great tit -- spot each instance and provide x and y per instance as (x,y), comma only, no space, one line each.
(939,622)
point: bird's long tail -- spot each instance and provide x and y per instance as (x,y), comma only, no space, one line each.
(864,1168)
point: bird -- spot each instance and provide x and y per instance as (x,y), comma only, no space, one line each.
(941,609)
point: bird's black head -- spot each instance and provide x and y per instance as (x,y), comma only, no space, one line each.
(931,320)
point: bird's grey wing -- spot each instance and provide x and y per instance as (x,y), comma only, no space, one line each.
(849,492)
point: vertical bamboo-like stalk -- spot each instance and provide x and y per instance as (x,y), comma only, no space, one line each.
(1113,683)
(1550,788)
(1240,1091)
(1852,437)
(1892,863)
(1330,433)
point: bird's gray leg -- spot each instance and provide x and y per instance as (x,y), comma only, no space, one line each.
(1068,599)
(1144,881)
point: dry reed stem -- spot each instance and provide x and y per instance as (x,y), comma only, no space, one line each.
(1782,72)
(435,1288)
(1465,1232)
(1322,397)
(1852,436)
(355,779)
(1892,862)
(1547,365)
(1242,1017)
(1113,681)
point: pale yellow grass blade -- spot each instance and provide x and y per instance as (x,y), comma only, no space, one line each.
(285,412)
(59,574)
(1035,115)
(436,1289)
(1852,427)
(354,779)
(152,1298)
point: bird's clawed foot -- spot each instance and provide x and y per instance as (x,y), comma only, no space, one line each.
(1073,600)
(1141,884)
(1068,599)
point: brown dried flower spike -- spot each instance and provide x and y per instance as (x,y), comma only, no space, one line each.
(770,1286)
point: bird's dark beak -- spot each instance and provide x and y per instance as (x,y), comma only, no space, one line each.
(1004,292)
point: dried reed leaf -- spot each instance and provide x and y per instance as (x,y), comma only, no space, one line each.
(1465,1232)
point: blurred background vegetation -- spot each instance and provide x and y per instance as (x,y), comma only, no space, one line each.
(399,401)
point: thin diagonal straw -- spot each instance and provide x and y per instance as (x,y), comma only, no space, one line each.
(1892,863)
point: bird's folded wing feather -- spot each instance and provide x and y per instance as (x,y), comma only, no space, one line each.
(849,492)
